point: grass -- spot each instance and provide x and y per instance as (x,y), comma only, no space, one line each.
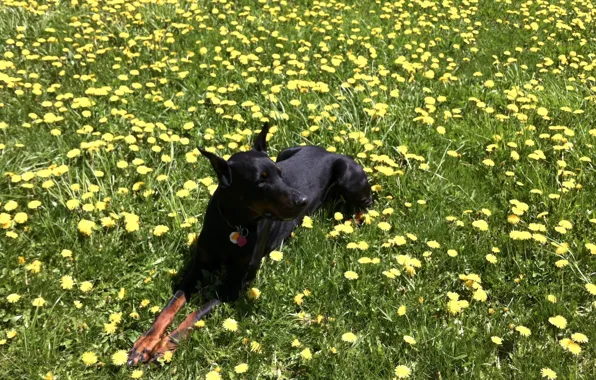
(483,112)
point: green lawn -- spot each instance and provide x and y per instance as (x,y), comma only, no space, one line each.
(474,121)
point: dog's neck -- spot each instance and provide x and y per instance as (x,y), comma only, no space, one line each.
(234,213)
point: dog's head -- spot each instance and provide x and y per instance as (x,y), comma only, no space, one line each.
(252,180)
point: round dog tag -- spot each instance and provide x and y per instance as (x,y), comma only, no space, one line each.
(238,238)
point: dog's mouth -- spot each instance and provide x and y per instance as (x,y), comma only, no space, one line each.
(285,209)
(269,215)
(283,214)
(288,214)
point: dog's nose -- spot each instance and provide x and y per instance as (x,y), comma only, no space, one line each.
(301,201)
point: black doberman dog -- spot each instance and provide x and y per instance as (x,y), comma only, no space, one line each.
(255,207)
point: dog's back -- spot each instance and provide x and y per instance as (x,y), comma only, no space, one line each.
(321,176)
(314,171)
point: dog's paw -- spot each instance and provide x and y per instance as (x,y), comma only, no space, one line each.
(359,218)
(142,349)
(164,348)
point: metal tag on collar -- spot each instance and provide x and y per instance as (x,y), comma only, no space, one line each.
(239,237)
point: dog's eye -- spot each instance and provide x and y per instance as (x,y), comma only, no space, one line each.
(263,178)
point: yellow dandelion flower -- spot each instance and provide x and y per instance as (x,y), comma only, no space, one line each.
(109,328)
(433,244)
(167,356)
(132,226)
(401,311)
(481,225)
(34,204)
(10,205)
(255,347)
(116,317)
(558,321)
(520,235)
(86,286)
(34,267)
(213,375)
(89,358)
(160,230)
(276,255)
(548,373)
(579,338)
(402,372)
(86,227)
(384,226)
(306,354)
(523,331)
(349,337)
(299,299)
(591,288)
(254,293)
(121,293)
(38,302)
(452,253)
(241,368)
(21,217)
(570,346)
(72,204)
(480,295)
(230,325)
(67,282)
(119,357)
(307,222)
(574,348)
(491,258)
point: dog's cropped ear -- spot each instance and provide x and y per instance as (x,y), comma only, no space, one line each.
(260,144)
(224,175)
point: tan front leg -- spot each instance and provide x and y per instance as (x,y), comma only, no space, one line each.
(141,350)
